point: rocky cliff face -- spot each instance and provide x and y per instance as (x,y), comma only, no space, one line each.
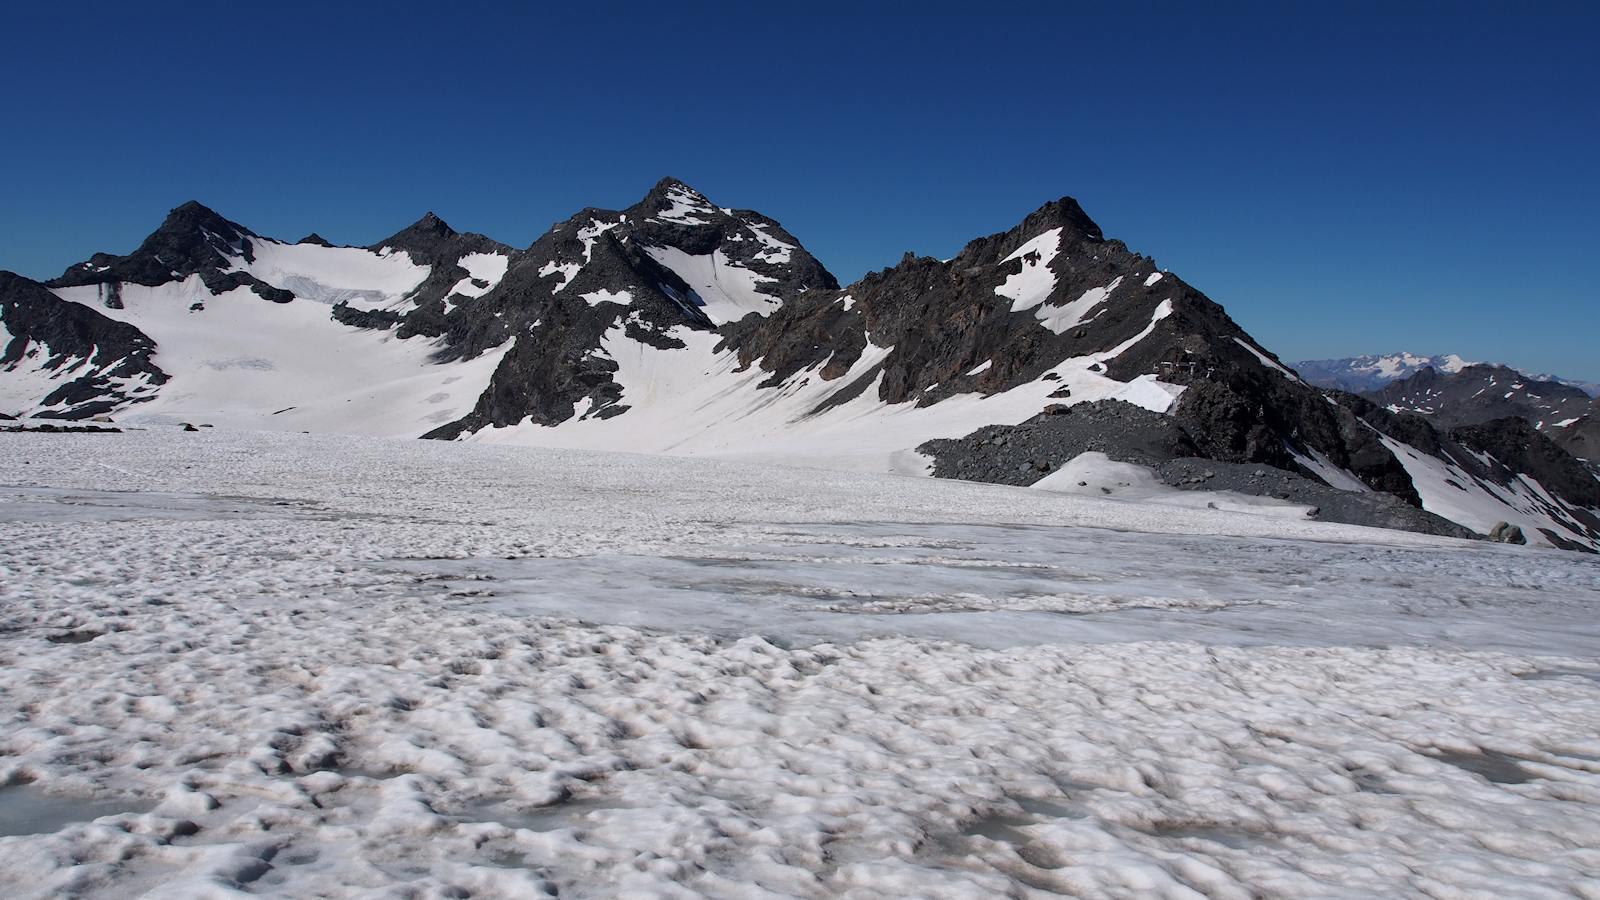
(66,360)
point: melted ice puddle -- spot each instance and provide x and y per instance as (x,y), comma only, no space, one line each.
(1492,765)
(1002,827)
(27,809)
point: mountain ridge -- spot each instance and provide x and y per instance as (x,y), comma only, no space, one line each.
(679,326)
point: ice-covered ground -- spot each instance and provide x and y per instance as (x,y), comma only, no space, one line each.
(313,666)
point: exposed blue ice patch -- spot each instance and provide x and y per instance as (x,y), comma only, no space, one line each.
(28,809)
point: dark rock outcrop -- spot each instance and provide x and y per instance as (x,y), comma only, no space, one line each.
(1023,454)
(1525,450)
(103,364)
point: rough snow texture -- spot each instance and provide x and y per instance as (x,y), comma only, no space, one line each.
(304,666)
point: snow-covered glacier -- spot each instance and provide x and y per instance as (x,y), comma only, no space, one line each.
(312,665)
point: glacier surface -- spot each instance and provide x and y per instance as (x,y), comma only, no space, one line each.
(310,665)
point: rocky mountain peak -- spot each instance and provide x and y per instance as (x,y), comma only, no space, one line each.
(673,206)
(193,239)
(194,224)
(1063,213)
(670,186)
(428,240)
(196,215)
(428,229)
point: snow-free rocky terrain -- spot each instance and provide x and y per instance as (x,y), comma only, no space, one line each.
(274,664)
(682,327)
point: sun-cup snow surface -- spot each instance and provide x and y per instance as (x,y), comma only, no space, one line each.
(336,666)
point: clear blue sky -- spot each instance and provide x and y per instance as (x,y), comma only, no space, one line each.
(1344,179)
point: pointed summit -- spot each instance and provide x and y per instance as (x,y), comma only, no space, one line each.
(1064,213)
(431,222)
(424,239)
(668,184)
(673,202)
(193,216)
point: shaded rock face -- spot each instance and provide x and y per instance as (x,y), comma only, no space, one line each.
(1582,438)
(945,319)
(102,364)
(1481,393)
(1525,450)
(430,242)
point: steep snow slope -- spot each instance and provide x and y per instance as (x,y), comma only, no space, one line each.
(1448,489)
(724,291)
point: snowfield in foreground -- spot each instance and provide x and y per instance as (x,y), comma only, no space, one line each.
(314,666)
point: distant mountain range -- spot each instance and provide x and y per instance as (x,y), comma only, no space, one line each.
(1359,374)
(679,326)
(1452,392)
(1481,393)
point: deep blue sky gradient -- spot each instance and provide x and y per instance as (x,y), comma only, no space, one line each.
(1346,178)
